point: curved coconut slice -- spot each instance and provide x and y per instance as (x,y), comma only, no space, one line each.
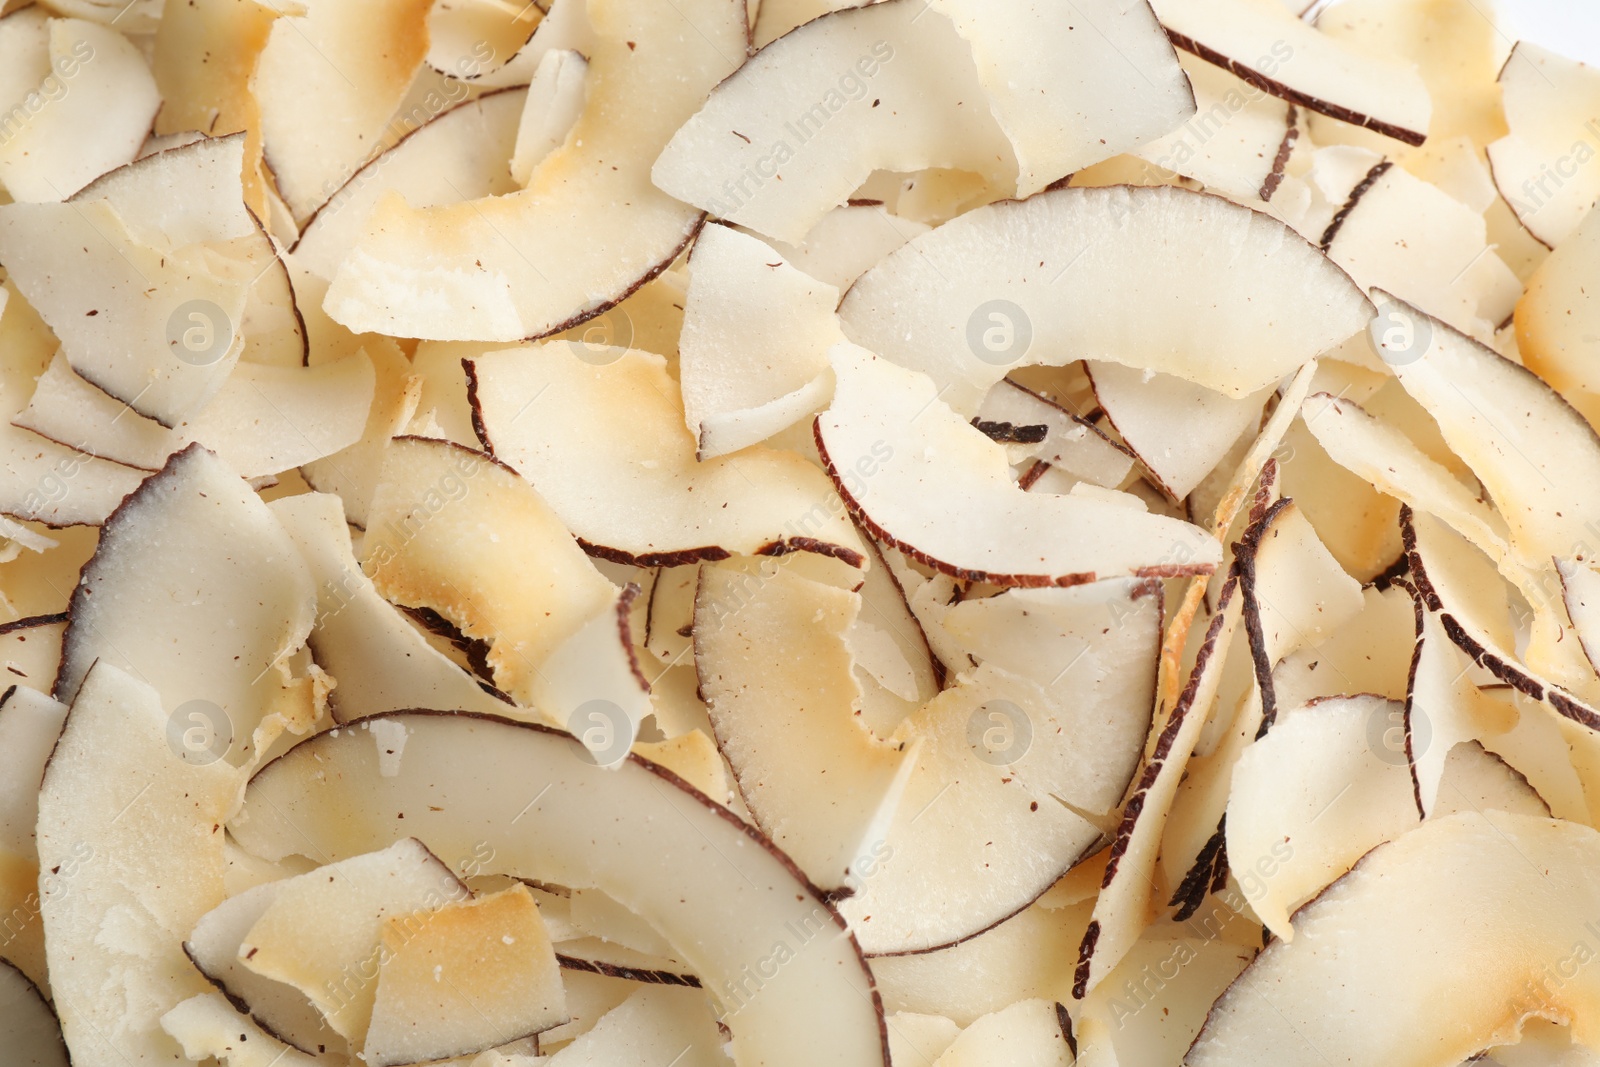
(849,240)
(1029,955)
(33,1034)
(1071,444)
(279,1009)
(461,154)
(1407,236)
(1539,749)
(817,84)
(753,358)
(195,534)
(1120,911)
(145,275)
(1267,46)
(652,1025)
(274,329)
(327,84)
(1313,796)
(1093,650)
(30,725)
(1358,523)
(541,410)
(45,482)
(378,659)
(1237,143)
(476,974)
(593,685)
(468,38)
(325,932)
(779,173)
(558,252)
(1157,999)
(140,829)
(1386,457)
(182,196)
(1029,1033)
(1457,54)
(929,599)
(263,420)
(777,677)
(1558,319)
(905,464)
(79,100)
(165,355)
(564,26)
(1254,464)
(41,480)
(450,528)
(1455,580)
(1551,103)
(1505,422)
(1295,597)
(981,745)
(716,889)
(1443,709)
(205,169)
(895,666)
(1465,887)
(1492,412)
(1159,279)
(203,56)
(1370,653)
(353,472)
(555,101)
(1121,83)
(208,1026)
(1179,431)
(1477,779)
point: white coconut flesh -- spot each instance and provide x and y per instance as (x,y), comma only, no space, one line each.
(931,533)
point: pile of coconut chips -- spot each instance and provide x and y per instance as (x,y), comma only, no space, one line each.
(946,532)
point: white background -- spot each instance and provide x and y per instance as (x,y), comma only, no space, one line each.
(1571,27)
